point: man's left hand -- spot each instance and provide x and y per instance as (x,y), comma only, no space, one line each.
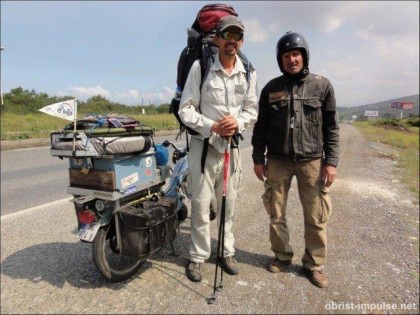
(229,125)
(329,173)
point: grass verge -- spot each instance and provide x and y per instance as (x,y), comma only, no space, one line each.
(39,125)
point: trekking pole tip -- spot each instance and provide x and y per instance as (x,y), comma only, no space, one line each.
(211,299)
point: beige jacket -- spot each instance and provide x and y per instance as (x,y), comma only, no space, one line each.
(221,95)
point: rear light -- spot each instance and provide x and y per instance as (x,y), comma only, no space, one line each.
(87,216)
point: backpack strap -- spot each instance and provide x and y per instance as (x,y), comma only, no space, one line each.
(206,60)
(204,153)
(247,64)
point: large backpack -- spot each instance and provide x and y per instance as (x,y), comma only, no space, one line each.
(200,45)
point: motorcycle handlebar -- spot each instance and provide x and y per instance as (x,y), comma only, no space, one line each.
(167,143)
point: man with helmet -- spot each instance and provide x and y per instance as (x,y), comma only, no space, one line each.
(297,134)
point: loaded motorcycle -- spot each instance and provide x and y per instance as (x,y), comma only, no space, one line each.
(128,201)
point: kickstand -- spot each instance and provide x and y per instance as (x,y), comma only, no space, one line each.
(174,252)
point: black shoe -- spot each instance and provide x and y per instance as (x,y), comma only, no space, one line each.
(193,271)
(229,265)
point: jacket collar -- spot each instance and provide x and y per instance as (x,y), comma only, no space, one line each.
(217,65)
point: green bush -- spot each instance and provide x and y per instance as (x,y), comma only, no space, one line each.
(412,121)
(396,122)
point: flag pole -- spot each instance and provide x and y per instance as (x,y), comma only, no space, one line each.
(74,126)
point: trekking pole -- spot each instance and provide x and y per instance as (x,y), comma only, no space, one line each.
(221,236)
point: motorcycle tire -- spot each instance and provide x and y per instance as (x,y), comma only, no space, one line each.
(112,265)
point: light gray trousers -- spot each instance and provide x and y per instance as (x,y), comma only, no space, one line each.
(201,187)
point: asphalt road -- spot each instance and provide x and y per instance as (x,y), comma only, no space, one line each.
(31,177)
(373,255)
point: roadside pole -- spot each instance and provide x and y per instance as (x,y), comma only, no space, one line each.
(1,84)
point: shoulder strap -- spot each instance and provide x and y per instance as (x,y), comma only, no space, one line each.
(206,61)
(247,64)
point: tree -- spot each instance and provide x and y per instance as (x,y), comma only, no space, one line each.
(23,101)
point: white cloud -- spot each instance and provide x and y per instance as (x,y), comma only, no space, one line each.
(130,97)
(86,92)
(157,98)
(332,24)
(254,32)
(343,71)
(390,45)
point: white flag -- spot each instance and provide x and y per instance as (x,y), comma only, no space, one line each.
(66,110)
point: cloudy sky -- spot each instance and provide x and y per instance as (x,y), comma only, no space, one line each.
(128,51)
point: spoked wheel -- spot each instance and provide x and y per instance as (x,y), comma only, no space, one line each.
(112,265)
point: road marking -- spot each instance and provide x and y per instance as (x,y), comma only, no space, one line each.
(29,210)
(36,148)
(26,149)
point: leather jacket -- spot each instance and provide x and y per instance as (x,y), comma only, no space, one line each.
(297,120)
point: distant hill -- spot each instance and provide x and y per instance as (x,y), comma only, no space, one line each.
(384,109)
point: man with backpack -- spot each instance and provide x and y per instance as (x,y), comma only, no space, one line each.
(224,107)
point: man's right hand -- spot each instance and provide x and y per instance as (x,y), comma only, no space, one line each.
(261,171)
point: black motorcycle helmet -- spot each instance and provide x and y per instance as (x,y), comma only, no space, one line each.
(291,41)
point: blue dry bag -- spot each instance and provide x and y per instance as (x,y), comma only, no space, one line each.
(162,155)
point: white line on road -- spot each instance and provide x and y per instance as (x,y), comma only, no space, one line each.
(29,210)
(28,149)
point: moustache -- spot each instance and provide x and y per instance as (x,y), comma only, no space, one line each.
(234,45)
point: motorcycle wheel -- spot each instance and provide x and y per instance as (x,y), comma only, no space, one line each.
(112,265)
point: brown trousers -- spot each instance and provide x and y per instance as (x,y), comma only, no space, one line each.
(316,208)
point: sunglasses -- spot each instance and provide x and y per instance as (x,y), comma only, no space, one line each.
(228,35)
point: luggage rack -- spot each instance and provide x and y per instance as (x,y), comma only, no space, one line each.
(93,172)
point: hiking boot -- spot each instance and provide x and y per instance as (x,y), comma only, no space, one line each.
(276,265)
(193,271)
(229,265)
(317,277)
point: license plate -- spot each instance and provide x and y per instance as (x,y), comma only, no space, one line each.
(88,232)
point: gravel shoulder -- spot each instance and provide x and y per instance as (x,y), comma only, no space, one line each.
(373,260)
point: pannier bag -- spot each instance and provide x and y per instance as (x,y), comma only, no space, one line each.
(147,226)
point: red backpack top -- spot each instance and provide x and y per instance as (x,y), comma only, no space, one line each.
(209,16)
